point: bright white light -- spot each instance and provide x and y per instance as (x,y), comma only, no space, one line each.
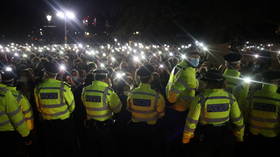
(183,56)
(262,48)
(49,18)
(143,56)
(120,75)
(256,56)
(80,45)
(104,54)
(204,48)
(102,65)
(102,47)
(8,69)
(71,15)
(136,59)
(115,40)
(60,14)
(16,54)
(61,52)
(62,67)
(113,59)
(278,52)
(247,80)
(161,66)
(24,55)
(171,54)
(159,52)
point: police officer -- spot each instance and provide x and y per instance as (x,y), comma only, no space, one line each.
(234,84)
(263,115)
(13,127)
(146,107)
(180,91)
(8,78)
(101,104)
(212,110)
(55,103)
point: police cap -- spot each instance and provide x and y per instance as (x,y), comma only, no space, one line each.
(145,71)
(51,67)
(233,57)
(213,76)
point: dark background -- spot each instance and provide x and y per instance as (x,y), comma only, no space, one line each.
(157,20)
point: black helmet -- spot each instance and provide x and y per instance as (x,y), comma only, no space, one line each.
(145,71)
(8,74)
(233,58)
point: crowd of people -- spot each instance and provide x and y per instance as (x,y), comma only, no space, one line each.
(136,99)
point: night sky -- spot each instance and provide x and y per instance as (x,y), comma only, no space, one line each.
(198,17)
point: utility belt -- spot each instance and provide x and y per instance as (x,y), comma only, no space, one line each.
(98,124)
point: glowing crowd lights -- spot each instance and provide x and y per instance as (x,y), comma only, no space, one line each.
(8,69)
(247,80)
(120,75)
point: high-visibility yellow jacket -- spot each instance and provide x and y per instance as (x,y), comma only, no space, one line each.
(263,111)
(54,99)
(11,115)
(145,104)
(237,87)
(100,101)
(214,107)
(181,86)
(25,106)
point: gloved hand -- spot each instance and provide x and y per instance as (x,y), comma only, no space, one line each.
(187,137)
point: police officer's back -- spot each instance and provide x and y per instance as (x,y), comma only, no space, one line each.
(101,104)
(55,103)
(263,115)
(212,110)
(146,107)
(13,127)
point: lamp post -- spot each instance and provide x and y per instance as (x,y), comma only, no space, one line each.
(66,15)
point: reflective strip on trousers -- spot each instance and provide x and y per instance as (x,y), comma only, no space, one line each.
(264,119)
(4,123)
(55,114)
(144,93)
(14,112)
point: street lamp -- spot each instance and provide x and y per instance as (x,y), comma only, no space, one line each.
(49,18)
(66,15)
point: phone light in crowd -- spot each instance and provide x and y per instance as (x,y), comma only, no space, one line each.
(159,52)
(143,57)
(120,75)
(171,54)
(278,52)
(102,65)
(8,69)
(62,67)
(113,59)
(16,55)
(136,59)
(204,48)
(183,56)
(116,40)
(24,55)
(104,54)
(256,56)
(161,66)
(80,45)
(61,52)
(247,80)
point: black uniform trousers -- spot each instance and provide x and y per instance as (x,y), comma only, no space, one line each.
(143,140)
(11,144)
(214,141)
(99,138)
(57,138)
